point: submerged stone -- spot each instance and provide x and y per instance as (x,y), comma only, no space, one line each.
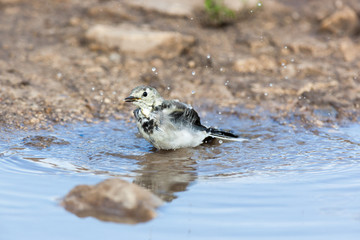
(43,141)
(112,200)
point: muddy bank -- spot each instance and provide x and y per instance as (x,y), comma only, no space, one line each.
(72,60)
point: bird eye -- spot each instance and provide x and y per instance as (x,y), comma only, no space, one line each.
(144,94)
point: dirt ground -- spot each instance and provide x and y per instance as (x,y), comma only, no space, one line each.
(295,61)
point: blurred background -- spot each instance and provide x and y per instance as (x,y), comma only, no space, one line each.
(65,60)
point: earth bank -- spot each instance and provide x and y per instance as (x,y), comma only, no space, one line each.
(75,60)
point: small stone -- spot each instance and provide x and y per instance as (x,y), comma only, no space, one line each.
(95,69)
(139,42)
(342,22)
(251,65)
(112,200)
(157,63)
(109,10)
(115,57)
(237,5)
(175,8)
(191,64)
(74,21)
(348,49)
(309,46)
(107,100)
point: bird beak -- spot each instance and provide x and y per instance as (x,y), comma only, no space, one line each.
(131,99)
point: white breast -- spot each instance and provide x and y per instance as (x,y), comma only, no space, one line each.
(177,139)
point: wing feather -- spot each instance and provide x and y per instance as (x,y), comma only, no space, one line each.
(181,113)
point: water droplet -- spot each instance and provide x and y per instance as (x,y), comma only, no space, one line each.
(93,89)
(270,84)
(208,56)
(221,141)
(285,47)
(193,73)
(59,75)
(265,94)
(286,77)
(292,60)
(220,113)
(259,4)
(168,88)
(193,92)
(221,69)
(101,93)
(282,64)
(153,69)
(227,82)
(251,11)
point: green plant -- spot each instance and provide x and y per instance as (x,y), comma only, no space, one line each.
(218,13)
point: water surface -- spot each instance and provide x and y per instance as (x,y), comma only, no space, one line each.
(284,183)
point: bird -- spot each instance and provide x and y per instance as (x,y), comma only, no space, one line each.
(170,124)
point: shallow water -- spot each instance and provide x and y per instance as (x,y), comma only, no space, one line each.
(283,183)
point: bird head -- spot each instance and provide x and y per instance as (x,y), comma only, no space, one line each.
(145,97)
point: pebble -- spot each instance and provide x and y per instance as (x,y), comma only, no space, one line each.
(251,65)
(137,41)
(174,8)
(342,22)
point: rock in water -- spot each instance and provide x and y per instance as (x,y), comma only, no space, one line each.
(112,200)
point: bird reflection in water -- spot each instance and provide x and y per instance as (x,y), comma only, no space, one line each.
(167,172)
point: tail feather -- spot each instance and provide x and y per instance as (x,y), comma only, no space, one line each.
(224,135)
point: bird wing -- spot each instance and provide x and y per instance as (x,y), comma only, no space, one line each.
(180,113)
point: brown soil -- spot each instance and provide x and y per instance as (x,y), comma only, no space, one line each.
(283,59)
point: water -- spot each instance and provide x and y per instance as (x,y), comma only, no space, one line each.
(283,183)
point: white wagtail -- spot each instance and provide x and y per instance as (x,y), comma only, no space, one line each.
(170,124)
